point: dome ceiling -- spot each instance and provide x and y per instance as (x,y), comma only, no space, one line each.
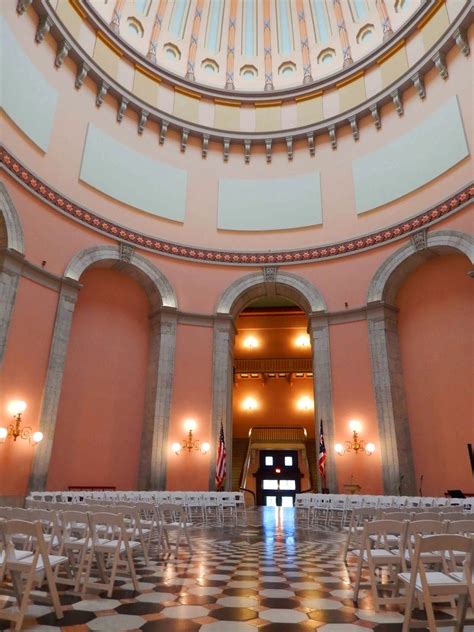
(254,45)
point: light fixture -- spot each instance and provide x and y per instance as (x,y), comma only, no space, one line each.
(303,341)
(250,403)
(251,342)
(16,408)
(305,403)
(356,445)
(190,443)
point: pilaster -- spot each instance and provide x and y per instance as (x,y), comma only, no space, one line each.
(222,383)
(159,386)
(397,459)
(54,377)
(318,329)
(11,265)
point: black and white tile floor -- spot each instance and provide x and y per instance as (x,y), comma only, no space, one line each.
(271,575)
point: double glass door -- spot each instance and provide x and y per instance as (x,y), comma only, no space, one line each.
(278,478)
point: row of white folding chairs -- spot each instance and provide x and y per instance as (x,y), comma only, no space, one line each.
(326,509)
(201,507)
(432,559)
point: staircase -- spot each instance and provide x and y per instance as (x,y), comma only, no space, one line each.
(239,453)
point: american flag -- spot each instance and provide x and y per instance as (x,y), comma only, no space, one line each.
(322,453)
(220,462)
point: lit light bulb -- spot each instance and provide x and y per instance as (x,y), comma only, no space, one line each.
(250,403)
(190,425)
(16,407)
(251,342)
(176,447)
(303,341)
(305,403)
(37,437)
(370,448)
(205,448)
(355,425)
(3,434)
(339,448)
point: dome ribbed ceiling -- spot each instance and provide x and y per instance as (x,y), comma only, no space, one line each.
(254,45)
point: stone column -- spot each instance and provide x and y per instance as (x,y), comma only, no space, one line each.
(54,377)
(116,15)
(384,19)
(307,77)
(267,45)
(11,264)
(318,329)
(155,33)
(343,37)
(194,41)
(222,384)
(229,72)
(159,386)
(397,459)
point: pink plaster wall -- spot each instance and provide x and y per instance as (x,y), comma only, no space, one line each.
(437,346)
(100,416)
(353,398)
(191,399)
(22,375)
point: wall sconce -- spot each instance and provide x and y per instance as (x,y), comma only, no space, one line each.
(356,445)
(251,342)
(305,403)
(190,443)
(249,404)
(303,341)
(14,430)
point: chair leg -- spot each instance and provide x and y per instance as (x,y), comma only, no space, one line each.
(409,606)
(430,613)
(461,613)
(355,597)
(131,567)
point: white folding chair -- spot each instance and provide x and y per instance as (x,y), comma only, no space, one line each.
(110,547)
(172,518)
(25,568)
(378,550)
(436,584)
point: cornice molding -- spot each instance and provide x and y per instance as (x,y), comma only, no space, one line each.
(145,112)
(311,254)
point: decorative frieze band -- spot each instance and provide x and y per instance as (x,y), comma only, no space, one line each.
(405,228)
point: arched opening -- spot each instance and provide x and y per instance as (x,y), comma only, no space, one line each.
(101,407)
(436,312)
(273,419)
(396,417)
(283,308)
(113,275)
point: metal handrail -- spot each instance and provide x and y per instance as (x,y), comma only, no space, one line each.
(244,489)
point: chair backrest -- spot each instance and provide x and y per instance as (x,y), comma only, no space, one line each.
(385,530)
(395,515)
(445,542)
(425,515)
(11,529)
(171,514)
(74,523)
(109,526)
(465,527)
(454,516)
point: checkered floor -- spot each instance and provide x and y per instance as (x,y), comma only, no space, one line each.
(271,575)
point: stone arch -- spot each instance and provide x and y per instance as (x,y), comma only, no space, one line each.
(387,378)
(270,282)
(11,262)
(126,259)
(161,352)
(390,275)
(11,232)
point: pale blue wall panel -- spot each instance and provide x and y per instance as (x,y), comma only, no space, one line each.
(270,204)
(130,177)
(25,95)
(414,159)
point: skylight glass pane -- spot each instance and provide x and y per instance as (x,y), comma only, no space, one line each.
(248,32)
